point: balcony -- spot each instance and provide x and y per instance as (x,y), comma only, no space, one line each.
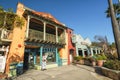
(61,40)
(50,37)
(35,35)
(6,35)
(38,36)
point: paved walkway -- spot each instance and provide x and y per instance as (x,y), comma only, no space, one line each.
(70,72)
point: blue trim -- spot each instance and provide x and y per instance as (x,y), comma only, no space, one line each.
(56,55)
(41,51)
(34,53)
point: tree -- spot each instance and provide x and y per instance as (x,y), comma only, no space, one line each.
(102,42)
(9,20)
(115,27)
(116,10)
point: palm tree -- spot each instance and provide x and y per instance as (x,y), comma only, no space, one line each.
(116,10)
(115,27)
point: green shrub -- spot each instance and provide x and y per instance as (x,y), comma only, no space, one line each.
(77,58)
(101,57)
(112,64)
(110,56)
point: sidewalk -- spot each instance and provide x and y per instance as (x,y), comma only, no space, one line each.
(70,72)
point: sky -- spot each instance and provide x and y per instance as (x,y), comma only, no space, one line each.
(85,17)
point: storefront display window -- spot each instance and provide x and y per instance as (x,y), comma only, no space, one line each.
(51,57)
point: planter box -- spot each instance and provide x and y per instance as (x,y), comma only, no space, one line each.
(113,74)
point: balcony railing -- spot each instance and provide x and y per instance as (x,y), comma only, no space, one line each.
(35,34)
(61,40)
(38,35)
(6,35)
(50,37)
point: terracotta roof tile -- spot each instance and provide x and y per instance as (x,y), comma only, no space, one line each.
(47,16)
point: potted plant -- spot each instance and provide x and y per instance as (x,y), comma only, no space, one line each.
(100,59)
(78,60)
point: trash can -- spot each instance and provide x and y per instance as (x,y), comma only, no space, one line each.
(12,72)
(19,69)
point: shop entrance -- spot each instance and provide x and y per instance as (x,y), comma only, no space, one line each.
(26,61)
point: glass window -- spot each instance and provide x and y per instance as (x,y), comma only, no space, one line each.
(51,57)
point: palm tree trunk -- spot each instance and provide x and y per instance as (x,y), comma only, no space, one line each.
(115,28)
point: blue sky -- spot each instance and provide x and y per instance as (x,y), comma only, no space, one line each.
(85,17)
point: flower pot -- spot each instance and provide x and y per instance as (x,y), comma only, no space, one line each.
(93,63)
(81,61)
(100,63)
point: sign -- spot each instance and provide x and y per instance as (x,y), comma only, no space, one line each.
(2,63)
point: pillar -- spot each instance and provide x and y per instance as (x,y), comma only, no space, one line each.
(96,50)
(91,50)
(41,51)
(34,57)
(83,52)
(44,32)
(76,49)
(56,55)
(28,22)
(56,34)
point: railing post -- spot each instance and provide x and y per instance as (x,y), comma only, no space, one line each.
(44,34)
(56,34)
(28,22)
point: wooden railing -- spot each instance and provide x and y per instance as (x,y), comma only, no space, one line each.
(35,34)
(6,35)
(61,40)
(50,37)
(38,35)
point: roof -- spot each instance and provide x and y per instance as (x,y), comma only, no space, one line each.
(47,16)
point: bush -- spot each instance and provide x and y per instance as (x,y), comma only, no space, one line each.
(110,56)
(77,58)
(112,64)
(101,57)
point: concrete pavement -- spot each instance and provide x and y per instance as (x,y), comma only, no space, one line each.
(69,72)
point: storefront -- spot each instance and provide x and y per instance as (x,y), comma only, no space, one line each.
(33,55)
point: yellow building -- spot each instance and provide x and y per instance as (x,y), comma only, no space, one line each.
(41,33)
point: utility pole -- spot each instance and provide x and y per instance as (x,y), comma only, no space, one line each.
(115,27)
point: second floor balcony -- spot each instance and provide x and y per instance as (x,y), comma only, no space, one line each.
(39,36)
(6,35)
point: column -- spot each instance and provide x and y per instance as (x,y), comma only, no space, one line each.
(41,51)
(91,50)
(83,52)
(27,30)
(76,49)
(34,53)
(56,34)
(96,50)
(44,32)
(56,51)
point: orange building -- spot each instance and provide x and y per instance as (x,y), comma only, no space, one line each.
(41,33)
(71,46)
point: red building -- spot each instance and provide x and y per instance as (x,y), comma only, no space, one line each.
(71,46)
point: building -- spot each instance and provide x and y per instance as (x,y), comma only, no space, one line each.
(83,46)
(41,33)
(71,46)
